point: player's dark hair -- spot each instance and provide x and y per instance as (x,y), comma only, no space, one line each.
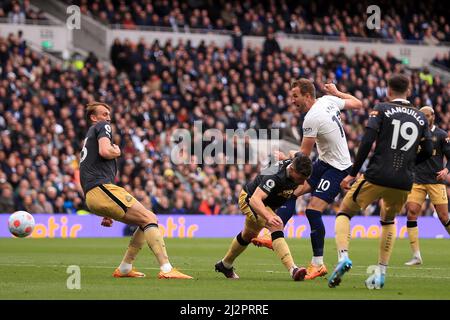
(398,83)
(92,107)
(302,165)
(305,86)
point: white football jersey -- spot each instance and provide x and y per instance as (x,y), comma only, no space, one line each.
(323,123)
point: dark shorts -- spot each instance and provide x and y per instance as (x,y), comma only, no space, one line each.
(325,181)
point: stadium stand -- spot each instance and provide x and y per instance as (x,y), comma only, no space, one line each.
(417,22)
(19,12)
(155,89)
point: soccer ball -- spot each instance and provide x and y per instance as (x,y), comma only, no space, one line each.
(21,224)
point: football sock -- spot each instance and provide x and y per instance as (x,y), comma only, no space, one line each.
(281,249)
(447,226)
(156,243)
(238,245)
(317,261)
(383,268)
(291,270)
(387,240)
(342,231)
(317,231)
(136,242)
(124,267)
(413,235)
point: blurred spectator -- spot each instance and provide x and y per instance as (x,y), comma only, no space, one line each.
(6,199)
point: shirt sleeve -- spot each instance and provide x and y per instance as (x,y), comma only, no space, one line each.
(340,103)
(269,184)
(375,118)
(104,130)
(310,127)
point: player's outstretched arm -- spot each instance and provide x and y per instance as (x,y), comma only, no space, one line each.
(351,102)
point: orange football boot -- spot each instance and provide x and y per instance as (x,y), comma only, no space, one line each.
(314,271)
(173,274)
(132,274)
(263,242)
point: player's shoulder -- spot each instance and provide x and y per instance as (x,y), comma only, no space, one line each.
(102,124)
(441,133)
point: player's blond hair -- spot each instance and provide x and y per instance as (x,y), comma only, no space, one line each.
(429,108)
(91,108)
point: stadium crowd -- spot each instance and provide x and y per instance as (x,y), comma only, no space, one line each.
(417,21)
(19,12)
(155,89)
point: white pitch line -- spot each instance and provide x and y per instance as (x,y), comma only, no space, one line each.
(209,270)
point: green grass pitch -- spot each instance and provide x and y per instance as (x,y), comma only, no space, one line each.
(36,269)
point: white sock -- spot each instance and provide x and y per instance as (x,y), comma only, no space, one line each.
(342,254)
(291,270)
(124,267)
(166,267)
(383,268)
(417,255)
(227,265)
(317,261)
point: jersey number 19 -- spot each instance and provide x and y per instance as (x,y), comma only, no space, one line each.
(402,130)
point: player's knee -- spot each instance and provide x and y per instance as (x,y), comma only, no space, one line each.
(275,228)
(317,204)
(147,217)
(413,211)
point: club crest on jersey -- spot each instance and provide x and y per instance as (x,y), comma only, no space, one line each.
(269,185)
(447,139)
(286,193)
(373,113)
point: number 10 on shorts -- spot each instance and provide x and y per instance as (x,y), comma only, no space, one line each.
(323,185)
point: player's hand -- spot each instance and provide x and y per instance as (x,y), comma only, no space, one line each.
(116,149)
(279,155)
(330,88)
(107,222)
(274,221)
(347,182)
(441,175)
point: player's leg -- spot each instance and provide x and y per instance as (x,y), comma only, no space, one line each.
(131,211)
(313,212)
(137,214)
(361,194)
(393,201)
(438,196)
(238,245)
(285,212)
(283,252)
(413,206)
(325,183)
(126,266)
(105,201)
